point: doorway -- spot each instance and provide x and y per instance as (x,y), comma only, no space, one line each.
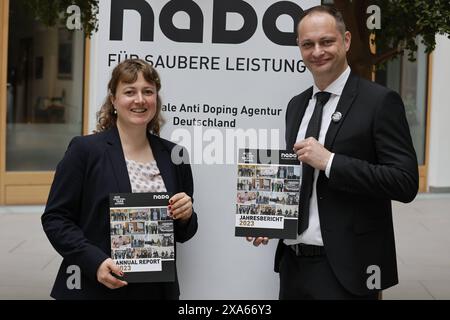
(42,88)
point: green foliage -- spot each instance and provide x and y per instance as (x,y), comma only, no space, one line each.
(53,12)
(404,22)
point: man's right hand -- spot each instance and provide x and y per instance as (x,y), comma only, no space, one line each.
(258,240)
(105,277)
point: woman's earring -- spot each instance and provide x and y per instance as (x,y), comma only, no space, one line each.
(115,111)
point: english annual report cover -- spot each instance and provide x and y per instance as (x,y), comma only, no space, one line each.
(267,201)
(142,236)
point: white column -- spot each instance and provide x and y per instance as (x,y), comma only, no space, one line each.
(94,86)
(439,161)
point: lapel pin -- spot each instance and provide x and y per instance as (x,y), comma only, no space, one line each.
(336,117)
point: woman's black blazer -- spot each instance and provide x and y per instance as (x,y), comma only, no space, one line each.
(76,217)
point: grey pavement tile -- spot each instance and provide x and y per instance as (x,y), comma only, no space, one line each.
(438,206)
(440,289)
(23,210)
(27,272)
(433,196)
(27,277)
(423,273)
(9,245)
(409,229)
(52,265)
(36,246)
(26,262)
(407,290)
(4,210)
(400,261)
(440,227)
(24,293)
(20,228)
(29,217)
(429,254)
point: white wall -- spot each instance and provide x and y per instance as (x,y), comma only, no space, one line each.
(439,164)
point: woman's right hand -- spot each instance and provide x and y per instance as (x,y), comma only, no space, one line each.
(105,277)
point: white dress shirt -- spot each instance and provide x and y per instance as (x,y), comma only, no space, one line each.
(312,235)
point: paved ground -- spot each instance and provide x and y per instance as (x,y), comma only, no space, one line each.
(28,263)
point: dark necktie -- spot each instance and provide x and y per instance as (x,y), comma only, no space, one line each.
(306,188)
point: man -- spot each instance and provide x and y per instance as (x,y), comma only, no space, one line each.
(353,140)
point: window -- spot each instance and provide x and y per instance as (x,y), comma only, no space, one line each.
(44,91)
(409,79)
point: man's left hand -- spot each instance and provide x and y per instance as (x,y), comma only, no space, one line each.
(311,152)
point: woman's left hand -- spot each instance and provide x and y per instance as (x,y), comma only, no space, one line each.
(180,206)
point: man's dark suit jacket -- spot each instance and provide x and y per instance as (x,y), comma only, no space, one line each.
(374,163)
(76,218)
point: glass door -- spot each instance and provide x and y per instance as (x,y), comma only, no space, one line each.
(44,102)
(410,80)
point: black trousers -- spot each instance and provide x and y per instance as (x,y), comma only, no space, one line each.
(311,278)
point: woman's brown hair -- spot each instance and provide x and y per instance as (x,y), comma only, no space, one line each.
(127,72)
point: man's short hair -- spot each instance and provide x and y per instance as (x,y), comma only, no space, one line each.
(332,11)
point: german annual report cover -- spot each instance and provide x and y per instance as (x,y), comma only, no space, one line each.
(268,184)
(142,237)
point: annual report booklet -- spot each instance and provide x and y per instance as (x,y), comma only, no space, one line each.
(267,197)
(142,237)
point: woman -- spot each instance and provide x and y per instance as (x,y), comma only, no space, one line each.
(125,155)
